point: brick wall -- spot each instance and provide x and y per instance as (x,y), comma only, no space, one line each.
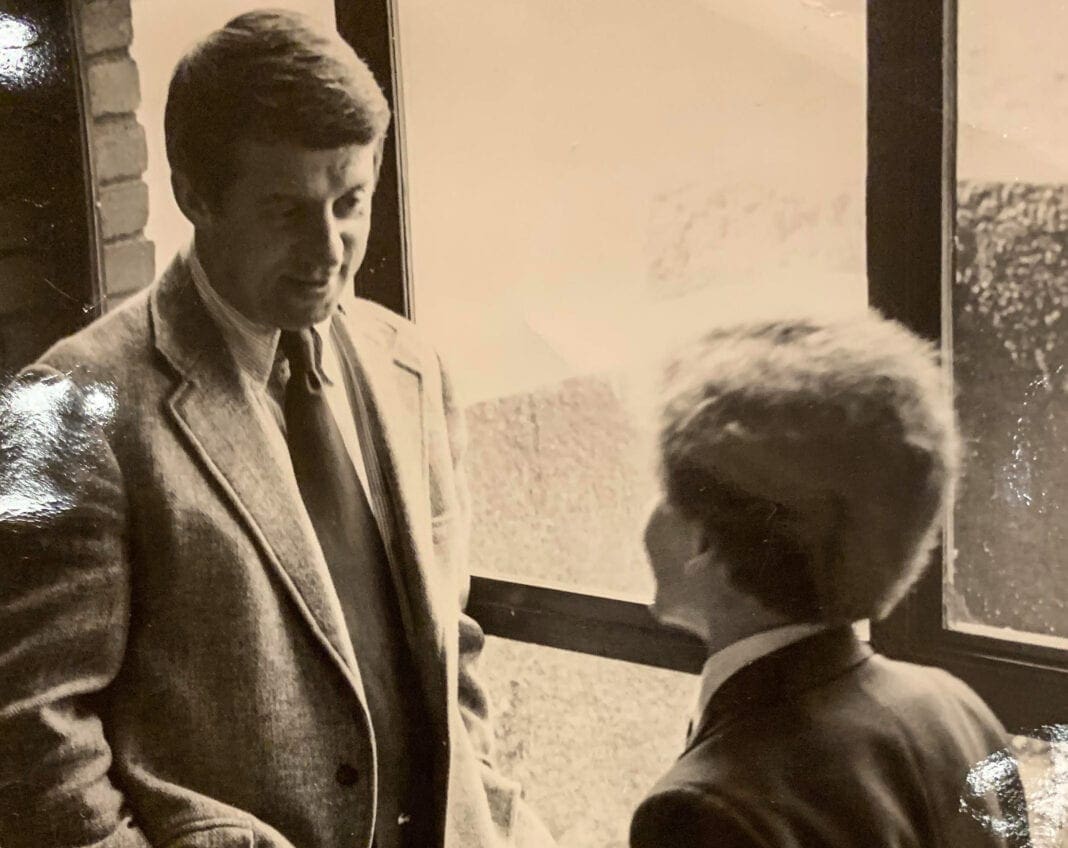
(118,145)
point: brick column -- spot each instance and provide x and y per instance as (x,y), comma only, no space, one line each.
(118,146)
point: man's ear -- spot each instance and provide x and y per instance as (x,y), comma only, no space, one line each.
(193,206)
(702,539)
(690,531)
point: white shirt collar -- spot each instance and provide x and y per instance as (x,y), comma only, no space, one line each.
(725,663)
(330,366)
(253,345)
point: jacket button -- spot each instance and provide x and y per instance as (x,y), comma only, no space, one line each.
(346,775)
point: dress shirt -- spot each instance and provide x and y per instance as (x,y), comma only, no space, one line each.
(254,347)
(725,663)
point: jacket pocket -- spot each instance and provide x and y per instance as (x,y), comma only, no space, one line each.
(213,835)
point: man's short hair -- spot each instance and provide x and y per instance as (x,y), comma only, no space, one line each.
(267,76)
(818,457)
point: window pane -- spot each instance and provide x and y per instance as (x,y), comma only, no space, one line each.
(1009,334)
(590,180)
(586,736)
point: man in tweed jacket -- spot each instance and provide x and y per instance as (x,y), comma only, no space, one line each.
(177,665)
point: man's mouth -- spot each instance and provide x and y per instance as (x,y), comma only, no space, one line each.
(308,284)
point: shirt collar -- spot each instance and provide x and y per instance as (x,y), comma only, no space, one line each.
(253,345)
(329,365)
(724,664)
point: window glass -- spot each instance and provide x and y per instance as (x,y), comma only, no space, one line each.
(587,737)
(1008,326)
(590,181)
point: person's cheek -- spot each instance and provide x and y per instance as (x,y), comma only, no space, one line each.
(667,555)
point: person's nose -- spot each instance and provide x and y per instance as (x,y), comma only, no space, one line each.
(325,247)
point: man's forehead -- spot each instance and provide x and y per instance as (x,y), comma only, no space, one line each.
(288,167)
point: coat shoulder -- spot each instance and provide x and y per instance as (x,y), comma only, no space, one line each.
(110,365)
(367,316)
(930,705)
(108,348)
(367,320)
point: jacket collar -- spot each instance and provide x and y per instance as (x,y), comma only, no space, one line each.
(781,675)
(724,664)
(182,328)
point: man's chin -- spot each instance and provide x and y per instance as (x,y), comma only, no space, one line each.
(670,617)
(298,317)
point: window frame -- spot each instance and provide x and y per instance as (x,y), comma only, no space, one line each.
(912,89)
(910,208)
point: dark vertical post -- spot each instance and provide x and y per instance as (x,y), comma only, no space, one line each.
(907,162)
(910,198)
(369,27)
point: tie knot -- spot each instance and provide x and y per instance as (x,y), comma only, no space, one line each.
(304,351)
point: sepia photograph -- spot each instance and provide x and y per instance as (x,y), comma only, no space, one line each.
(533,424)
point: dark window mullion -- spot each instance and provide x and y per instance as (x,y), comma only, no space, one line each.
(575,621)
(368,25)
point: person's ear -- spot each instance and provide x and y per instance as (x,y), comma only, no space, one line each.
(692,532)
(192,204)
(702,539)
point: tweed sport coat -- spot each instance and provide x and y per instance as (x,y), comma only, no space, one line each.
(175,670)
(826,744)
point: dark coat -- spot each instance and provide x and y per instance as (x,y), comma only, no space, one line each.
(826,744)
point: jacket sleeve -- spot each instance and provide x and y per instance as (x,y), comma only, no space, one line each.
(64,609)
(503,794)
(682,818)
(474,702)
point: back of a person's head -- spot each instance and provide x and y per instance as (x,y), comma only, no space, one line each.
(819,456)
(267,76)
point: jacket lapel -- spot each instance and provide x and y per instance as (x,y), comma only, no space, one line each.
(391,380)
(214,411)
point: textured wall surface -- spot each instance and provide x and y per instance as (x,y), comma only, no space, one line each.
(586,736)
(559,485)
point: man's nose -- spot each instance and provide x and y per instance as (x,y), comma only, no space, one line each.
(325,243)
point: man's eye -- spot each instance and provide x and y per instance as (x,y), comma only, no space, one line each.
(348,205)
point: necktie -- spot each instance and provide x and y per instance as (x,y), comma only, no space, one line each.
(328,483)
(354,552)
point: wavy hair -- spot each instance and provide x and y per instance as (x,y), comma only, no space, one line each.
(818,456)
(268,76)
